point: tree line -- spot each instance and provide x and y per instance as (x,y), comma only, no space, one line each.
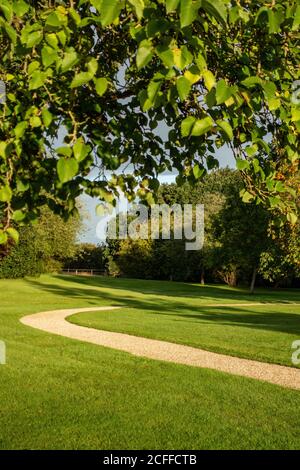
(242,241)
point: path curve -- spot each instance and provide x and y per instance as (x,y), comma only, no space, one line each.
(55,322)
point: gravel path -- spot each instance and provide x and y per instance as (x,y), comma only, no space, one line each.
(55,322)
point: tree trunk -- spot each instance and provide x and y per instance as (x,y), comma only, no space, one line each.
(202,277)
(253,280)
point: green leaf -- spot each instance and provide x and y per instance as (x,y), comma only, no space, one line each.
(33,66)
(183,87)
(251,150)
(35,121)
(54,20)
(3,237)
(292,218)
(92,66)
(187,126)
(191,126)
(138,6)
(5,193)
(226,128)
(67,169)
(242,164)
(275,20)
(172,5)
(6,8)
(188,11)
(20,129)
(34,38)
(46,117)
(201,62)
(3,149)
(202,126)
(52,40)
(165,53)
(269,89)
(251,82)
(70,59)
(13,234)
(101,85)
(84,77)
(153,90)
(37,80)
(144,53)
(193,75)
(182,57)
(210,98)
(81,150)
(198,171)
(110,10)
(144,100)
(223,92)
(62,37)
(81,79)
(11,33)
(246,196)
(296,22)
(75,16)
(215,8)
(66,151)
(49,56)
(295,114)
(18,216)
(209,79)
(274,103)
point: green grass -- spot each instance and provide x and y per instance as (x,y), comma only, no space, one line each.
(57,393)
(179,313)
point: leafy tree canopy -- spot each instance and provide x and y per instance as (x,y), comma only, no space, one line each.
(43,246)
(111,72)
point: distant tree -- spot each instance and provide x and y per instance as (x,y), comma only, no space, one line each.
(134,258)
(241,232)
(43,247)
(280,262)
(87,256)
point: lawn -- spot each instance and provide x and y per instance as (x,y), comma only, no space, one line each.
(58,393)
(181,313)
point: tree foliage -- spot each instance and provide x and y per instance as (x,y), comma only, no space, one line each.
(110,73)
(43,247)
(87,256)
(240,240)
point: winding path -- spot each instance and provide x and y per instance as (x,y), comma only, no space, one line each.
(55,322)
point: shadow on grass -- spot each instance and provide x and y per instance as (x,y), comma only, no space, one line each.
(178,289)
(230,316)
(177,310)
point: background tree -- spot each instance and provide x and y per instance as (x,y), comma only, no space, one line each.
(280,261)
(43,247)
(87,256)
(241,231)
(240,242)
